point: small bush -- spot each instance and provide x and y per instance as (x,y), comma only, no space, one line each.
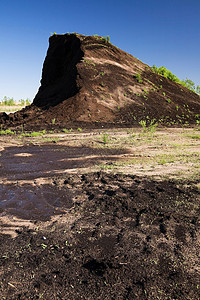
(188,83)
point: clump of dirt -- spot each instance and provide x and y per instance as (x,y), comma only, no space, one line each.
(125,237)
(87,81)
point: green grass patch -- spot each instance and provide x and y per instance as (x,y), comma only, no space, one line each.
(7,132)
(194,136)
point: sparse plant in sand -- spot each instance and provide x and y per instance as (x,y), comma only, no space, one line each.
(105,138)
(151,127)
(67,130)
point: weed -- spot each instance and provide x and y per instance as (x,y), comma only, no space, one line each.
(131,132)
(103,38)
(65,130)
(53,121)
(44,246)
(194,136)
(32,134)
(148,128)
(7,132)
(102,84)
(138,77)
(145,91)
(108,166)
(89,62)
(105,138)
(79,129)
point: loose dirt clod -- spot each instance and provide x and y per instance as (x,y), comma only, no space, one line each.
(126,237)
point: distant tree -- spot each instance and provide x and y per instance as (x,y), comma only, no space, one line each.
(28,101)
(5,100)
(22,102)
(11,102)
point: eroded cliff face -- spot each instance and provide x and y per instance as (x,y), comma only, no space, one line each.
(59,71)
(88,80)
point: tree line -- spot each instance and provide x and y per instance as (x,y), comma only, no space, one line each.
(11,102)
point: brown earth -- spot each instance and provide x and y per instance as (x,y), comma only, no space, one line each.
(88,82)
(125,237)
(69,231)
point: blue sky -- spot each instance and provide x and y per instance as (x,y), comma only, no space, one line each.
(157,32)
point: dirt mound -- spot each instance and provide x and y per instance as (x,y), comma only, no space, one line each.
(126,237)
(87,80)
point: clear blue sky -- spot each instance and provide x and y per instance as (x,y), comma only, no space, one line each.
(155,31)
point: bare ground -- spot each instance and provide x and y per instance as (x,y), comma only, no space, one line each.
(102,214)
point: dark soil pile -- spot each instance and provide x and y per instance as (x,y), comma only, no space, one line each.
(88,81)
(125,238)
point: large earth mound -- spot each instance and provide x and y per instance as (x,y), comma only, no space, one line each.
(87,80)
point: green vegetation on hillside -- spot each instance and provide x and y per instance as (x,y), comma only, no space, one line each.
(188,83)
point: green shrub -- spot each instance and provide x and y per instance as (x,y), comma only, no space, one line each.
(188,83)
